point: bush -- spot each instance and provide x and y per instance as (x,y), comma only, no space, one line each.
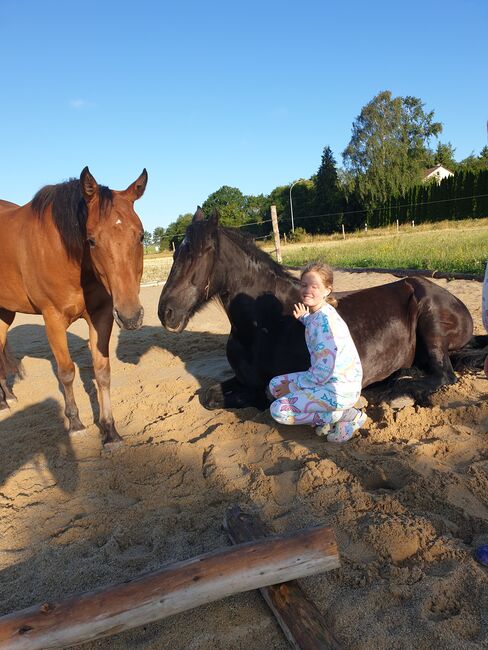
(300,234)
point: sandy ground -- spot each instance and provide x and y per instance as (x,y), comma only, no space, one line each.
(407,498)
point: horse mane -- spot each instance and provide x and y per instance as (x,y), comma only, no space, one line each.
(69,211)
(246,243)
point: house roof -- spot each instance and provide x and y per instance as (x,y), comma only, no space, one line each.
(431,170)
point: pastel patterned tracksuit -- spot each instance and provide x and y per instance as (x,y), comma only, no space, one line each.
(332,385)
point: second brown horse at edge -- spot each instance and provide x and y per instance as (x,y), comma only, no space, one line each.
(75,251)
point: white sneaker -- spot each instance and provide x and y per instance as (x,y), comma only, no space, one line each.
(344,431)
(322,430)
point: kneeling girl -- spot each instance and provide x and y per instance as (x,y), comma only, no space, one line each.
(323,396)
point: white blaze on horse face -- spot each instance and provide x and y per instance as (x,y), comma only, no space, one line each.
(118,221)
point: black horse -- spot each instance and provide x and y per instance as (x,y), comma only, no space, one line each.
(411,322)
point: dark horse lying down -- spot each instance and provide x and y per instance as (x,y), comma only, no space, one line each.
(411,322)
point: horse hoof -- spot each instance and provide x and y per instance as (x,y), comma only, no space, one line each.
(401,402)
(214,398)
(75,433)
(112,445)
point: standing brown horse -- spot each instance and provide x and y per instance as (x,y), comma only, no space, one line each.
(75,251)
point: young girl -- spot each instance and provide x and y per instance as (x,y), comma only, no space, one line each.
(324,395)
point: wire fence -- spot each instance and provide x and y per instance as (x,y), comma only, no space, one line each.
(284,222)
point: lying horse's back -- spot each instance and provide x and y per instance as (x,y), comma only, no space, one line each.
(383,323)
(411,322)
(441,314)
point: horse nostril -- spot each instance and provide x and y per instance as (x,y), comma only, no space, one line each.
(168,314)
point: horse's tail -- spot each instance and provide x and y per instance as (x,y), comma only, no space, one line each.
(473,355)
(9,365)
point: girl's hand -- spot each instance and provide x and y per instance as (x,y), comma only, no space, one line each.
(300,310)
(283,389)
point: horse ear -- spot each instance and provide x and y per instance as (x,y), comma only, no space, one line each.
(136,190)
(214,218)
(88,184)
(199,214)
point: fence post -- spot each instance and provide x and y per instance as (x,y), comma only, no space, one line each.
(276,233)
(398,227)
(343,232)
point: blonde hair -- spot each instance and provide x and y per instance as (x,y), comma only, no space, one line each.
(326,274)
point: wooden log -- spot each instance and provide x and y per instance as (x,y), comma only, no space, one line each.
(170,590)
(298,616)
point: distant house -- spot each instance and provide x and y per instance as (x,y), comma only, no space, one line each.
(439,172)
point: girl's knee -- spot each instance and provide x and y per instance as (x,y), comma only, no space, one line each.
(280,415)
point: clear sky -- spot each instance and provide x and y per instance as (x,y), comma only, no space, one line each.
(210,93)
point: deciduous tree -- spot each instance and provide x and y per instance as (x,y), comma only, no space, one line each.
(389,146)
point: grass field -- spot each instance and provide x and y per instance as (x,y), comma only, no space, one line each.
(448,246)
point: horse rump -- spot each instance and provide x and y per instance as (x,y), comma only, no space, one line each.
(472,356)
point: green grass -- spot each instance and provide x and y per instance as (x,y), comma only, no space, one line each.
(447,246)
(455,250)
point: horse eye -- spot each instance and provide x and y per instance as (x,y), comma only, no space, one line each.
(141,238)
(91,242)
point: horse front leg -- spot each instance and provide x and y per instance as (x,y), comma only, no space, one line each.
(217,396)
(100,326)
(56,327)
(6,363)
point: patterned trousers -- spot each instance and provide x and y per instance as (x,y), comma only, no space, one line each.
(306,406)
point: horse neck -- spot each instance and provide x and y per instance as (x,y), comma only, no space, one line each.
(237,272)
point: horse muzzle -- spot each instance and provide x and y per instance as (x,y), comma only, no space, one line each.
(132,322)
(171,321)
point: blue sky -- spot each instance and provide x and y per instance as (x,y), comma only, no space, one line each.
(205,94)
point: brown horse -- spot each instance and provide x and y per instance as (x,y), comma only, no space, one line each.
(75,251)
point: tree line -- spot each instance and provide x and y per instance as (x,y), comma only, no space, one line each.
(381,181)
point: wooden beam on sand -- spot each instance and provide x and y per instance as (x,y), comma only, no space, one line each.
(170,590)
(302,623)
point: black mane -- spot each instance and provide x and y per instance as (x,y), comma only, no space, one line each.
(69,211)
(246,243)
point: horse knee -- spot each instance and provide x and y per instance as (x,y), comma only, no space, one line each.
(102,375)
(66,373)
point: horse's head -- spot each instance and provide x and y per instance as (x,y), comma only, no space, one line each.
(189,284)
(115,238)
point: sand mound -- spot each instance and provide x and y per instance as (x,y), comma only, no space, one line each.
(408,498)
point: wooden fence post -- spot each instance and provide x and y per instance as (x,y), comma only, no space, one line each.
(276,233)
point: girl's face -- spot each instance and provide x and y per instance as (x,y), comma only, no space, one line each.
(313,292)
